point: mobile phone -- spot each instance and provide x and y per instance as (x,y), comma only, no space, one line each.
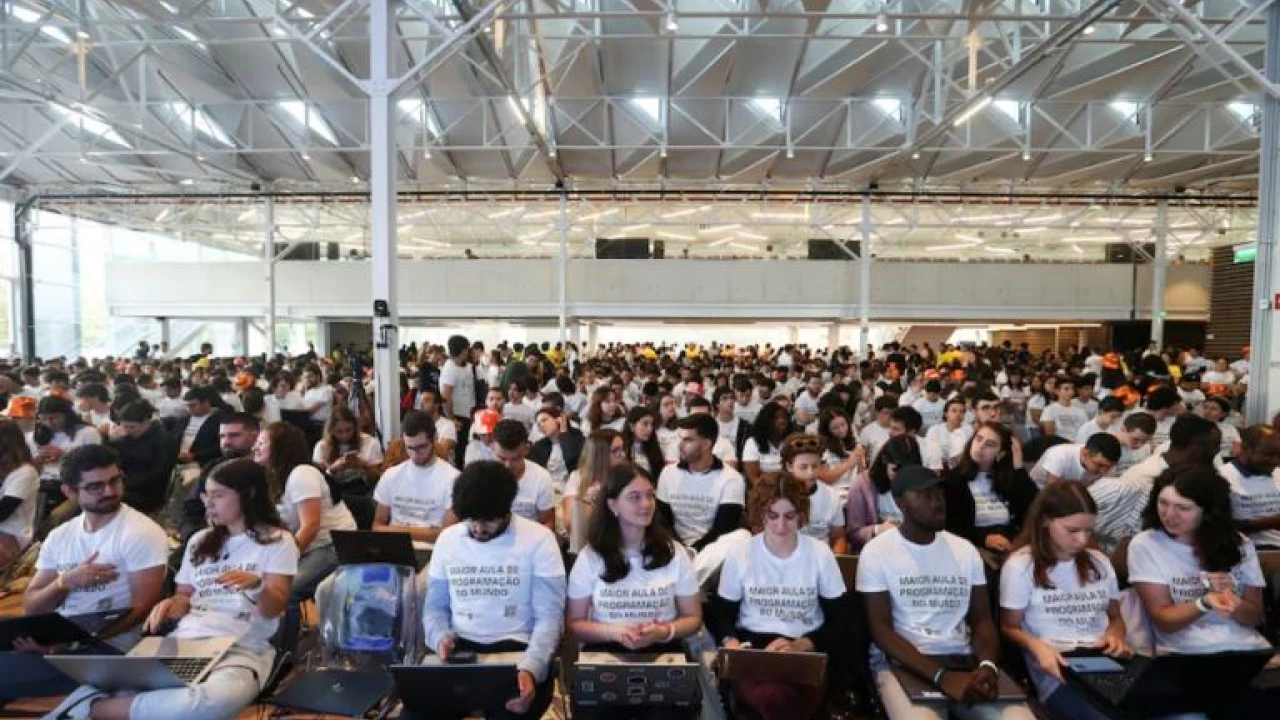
(461,657)
(1094,664)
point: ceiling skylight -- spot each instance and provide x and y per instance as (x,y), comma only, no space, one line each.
(197,119)
(93,126)
(310,119)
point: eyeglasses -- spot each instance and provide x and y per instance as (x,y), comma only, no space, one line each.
(97,488)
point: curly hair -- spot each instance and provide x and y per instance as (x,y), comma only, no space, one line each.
(770,488)
(1215,540)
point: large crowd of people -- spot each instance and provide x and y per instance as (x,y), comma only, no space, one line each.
(637,496)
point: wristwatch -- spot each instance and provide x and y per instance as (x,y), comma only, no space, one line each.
(61,582)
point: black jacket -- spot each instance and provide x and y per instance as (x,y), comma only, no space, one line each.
(961,507)
(147,463)
(571,443)
(205,447)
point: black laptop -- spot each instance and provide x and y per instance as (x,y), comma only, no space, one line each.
(1169,684)
(52,629)
(361,547)
(347,693)
(442,689)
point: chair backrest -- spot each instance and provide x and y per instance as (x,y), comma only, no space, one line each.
(848,570)
(372,618)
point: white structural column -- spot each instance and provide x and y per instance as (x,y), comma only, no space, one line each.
(562,265)
(1160,274)
(593,338)
(166,337)
(864,280)
(269,252)
(1263,367)
(833,336)
(242,336)
(382,210)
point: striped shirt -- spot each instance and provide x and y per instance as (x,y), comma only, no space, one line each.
(1121,501)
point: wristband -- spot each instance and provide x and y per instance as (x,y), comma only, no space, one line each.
(671,632)
(937,677)
(1203,606)
(989,664)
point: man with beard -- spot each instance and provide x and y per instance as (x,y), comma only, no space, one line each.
(496,583)
(110,557)
(236,436)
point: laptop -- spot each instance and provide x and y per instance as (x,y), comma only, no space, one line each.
(348,693)
(436,688)
(791,668)
(603,679)
(1169,684)
(922,690)
(155,663)
(53,629)
(360,547)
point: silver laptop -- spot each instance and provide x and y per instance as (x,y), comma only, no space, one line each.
(604,679)
(155,663)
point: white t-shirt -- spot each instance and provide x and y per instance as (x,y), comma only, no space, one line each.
(641,596)
(887,508)
(941,444)
(1066,419)
(806,404)
(191,430)
(989,509)
(928,585)
(1090,407)
(1213,377)
(131,541)
(534,494)
(695,497)
(305,483)
(491,583)
(369,451)
(558,470)
(217,611)
(23,483)
(729,430)
(1036,402)
(1230,436)
(463,382)
(85,435)
(1191,398)
(930,412)
(1155,557)
(417,496)
(1090,429)
(749,411)
(167,407)
(1067,615)
(1064,462)
(1163,427)
(825,512)
(520,412)
(446,430)
(873,437)
(844,482)
(779,596)
(770,460)
(323,394)
(1254,496)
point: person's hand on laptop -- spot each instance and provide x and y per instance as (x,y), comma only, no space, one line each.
(165,613)
(956,686)
(89,573)
(788,645)
(1049,660)
(445,647)
(1114,644)
(519,705)
(27,645)
(983,686)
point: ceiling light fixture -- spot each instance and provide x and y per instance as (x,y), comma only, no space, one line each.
(882,23)
(972,110)
(672,24)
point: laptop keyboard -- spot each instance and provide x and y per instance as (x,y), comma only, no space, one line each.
(1111,686)
(187,669)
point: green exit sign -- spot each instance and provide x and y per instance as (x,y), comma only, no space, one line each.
(1245,253)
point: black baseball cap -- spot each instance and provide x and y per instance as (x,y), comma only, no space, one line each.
(914,478)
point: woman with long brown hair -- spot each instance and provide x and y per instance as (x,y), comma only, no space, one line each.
(1057,594)
(603,450)
(17,492)
(345,452)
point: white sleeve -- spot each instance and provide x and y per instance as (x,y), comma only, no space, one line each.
(318,454)
(660,493)
(86,435)
(977,571)
(830,581)
(750,451)
(686,576)
(734,491)
(382,491)
(370,450)
(546,498)
(446,431)
(1015,583)
(1144,565)
(870,577)
(730,587)
(574,480)
(584,575)
(282,556)
(22,483)
(304,483)
(148,547)
(184,571)
(1250,571)
(447,373)
(547,562)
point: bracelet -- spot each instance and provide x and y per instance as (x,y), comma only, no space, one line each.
(989,664)
(937,677)
(671,632)
(1203,606)
(61,583)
